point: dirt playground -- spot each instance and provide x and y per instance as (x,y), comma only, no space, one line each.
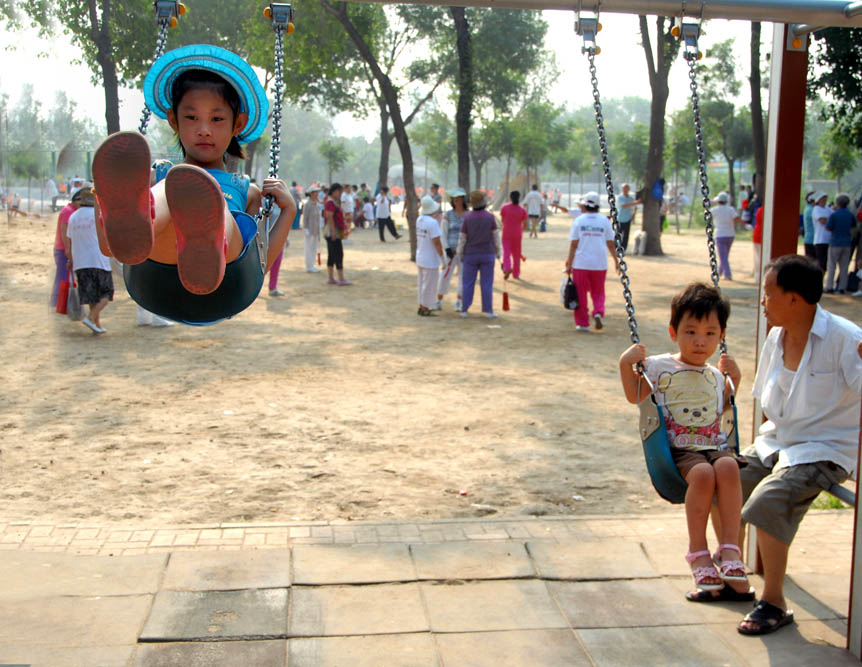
(338,402)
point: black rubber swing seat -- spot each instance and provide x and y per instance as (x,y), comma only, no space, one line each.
(157,287)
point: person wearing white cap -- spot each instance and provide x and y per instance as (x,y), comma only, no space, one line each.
(591,237)
(726,219)
(311,228)
(821,215)
(429,254)
(451,230)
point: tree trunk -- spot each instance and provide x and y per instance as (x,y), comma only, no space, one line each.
(659,66)
(464,111)
(757,132)
(508,179)
(100,33)
(731,183)
(391,96)
(478,167)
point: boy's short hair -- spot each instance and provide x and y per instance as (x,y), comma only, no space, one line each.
(799,274)
(699,299)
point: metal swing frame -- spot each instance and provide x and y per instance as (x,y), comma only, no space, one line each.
(663,472)
(156,286)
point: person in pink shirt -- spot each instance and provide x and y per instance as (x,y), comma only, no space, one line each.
(514,223)
(61,252)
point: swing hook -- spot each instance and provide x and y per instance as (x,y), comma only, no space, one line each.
(588,27)
(688,29)
(168,11)
(281,15)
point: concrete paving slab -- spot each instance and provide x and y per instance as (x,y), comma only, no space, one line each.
(469,560)
(673,646)
(622,604)
(355,564)
(266,653)
(491,605)
(414,650)
(356,610)
(213,615)
(667,556)
(800,645)
(73,621)
(579,560)
(224,570)
(35,574)
(44,656)
(515,648)
(831,590)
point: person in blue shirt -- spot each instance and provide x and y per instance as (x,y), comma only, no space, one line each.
(841,224)
(808,225)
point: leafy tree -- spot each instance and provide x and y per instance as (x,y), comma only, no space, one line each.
(435,133)
(632,147)
(728,132)
(573,156)
(336,155)
(835,74)
(659,63)
(838,154)
(680,152)
(535,135)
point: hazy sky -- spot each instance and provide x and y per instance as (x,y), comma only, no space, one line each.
(621,69)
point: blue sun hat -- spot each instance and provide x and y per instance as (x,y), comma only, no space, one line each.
(233,69)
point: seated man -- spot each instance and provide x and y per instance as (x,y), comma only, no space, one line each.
(809,382)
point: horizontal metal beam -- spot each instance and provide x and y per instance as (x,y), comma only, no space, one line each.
(822,13)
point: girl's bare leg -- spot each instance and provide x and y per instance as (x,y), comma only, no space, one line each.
(698,500)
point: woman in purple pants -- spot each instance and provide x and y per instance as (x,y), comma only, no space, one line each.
(726,218)
(479,247)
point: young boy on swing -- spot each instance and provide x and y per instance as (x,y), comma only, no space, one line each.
(198,217)
(694,394)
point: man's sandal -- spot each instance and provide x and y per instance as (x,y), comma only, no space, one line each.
(726,594)
(730,565)
(768,617)
(702,573)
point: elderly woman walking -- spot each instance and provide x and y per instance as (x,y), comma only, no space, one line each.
(478,247)
(311,227)
(429,254)
(450,232)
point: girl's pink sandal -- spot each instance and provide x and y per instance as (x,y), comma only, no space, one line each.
(121,175)
(702,573)
(729,565)
(196,204)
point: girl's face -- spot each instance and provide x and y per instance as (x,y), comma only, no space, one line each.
(205,125)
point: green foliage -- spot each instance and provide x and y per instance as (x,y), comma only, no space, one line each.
(680,151)
(535,133)
(835,74)
(335,153)
(838,154)
(718,74)
(572,155)
(632,147)
(435,133)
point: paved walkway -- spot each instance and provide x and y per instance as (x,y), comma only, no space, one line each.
(560,591)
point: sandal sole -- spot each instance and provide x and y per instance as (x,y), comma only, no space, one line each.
(766,628)
(197,211)
(121,174)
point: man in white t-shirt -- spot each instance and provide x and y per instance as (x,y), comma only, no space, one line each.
(429,254)
(533,203)
(592,237)
(92,268)
(384,214)
(820,215)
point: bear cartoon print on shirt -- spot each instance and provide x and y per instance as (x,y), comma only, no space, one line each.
(692,399)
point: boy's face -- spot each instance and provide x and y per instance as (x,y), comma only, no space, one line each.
(697,338)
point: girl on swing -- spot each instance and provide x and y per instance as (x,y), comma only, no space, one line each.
(199,217)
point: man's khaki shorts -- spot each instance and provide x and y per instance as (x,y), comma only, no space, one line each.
(776,500)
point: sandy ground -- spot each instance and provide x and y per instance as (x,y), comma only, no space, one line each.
(337,402)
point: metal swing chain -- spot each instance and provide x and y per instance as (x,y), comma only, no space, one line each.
(161,41)
(262,217)
(691,57)
(612,202)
